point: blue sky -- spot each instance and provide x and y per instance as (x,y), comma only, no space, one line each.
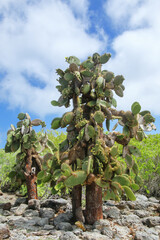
(37,35)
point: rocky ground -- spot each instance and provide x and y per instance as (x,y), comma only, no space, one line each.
(51,219)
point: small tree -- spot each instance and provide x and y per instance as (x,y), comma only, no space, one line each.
(28,145)
(88,155)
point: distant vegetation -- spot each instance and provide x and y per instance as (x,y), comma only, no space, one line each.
(148,163)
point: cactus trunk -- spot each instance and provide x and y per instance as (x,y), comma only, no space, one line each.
(76,199)
(31,177)
(93,203)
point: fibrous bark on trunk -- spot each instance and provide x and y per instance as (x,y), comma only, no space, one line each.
(76,200)
(31,177)
(93,203)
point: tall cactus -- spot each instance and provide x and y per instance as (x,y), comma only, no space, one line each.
(88,155)
(26,142)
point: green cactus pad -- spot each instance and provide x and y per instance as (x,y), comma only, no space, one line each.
(77,178)
(41,175)
(148,118)
(67,170)
(21,116)
(60,72)
(129,193)
(99,81)
(63,146)
(118,80)
(68,76)
(144,112)
(36,122)
(15,146)
(134,150)
(136,108)
(126,131)
(117,186)
(87,73)
(135,168)
(55,123)
(96,58)
(73,59)
(91,103)
(108,172)
(119,91)
(114,151)
(122,180)
(109,76)
(99,117)
(139,135)
(88,64)
(129,160)
(108,93)
(51,145)
(104,58)
(101,183)
(67,119)
(114,102)
(108,124)
(55,103)
(86,88)
(135,186)
(109,195)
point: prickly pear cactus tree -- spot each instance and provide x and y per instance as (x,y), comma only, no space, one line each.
(28,144)
(89,156)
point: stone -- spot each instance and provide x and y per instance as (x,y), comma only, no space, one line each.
(19,201)
(31,213)
(34,204)
(128,220)
(5,206)
(4,231)
(47,213)
(94,236)
(151,221)
(3,219)
(68,236)
(140,197)
(54,203)
(100,224)
(63,217)
(42,222)
(142,213)
(78,231)
(7,213)
(65,226)
(153,199)
(112,212)
(107,231)
(144,236)
(21,209)
(48,227)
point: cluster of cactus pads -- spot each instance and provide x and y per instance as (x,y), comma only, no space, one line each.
(28,145)
(88,156)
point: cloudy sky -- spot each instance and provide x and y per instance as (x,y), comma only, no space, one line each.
(37,35)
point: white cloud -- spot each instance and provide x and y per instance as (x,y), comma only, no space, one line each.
(137,50)
(36,36)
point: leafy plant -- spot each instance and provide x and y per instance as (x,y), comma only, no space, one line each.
(88,156)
